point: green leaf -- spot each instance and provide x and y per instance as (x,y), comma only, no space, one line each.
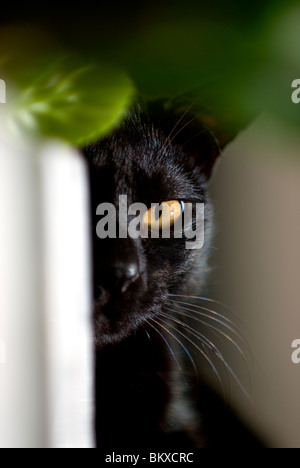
(73,102)
(58,94)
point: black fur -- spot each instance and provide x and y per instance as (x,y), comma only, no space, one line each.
(156,154)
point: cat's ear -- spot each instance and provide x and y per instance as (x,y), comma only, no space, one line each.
(201,132)
(201,141)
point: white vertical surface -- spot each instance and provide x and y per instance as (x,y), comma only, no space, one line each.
(46,363)
(22,378)
(66,283)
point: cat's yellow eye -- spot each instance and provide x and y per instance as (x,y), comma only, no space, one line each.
(163,215)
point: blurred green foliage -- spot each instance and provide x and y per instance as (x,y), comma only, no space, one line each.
(57,93)
(75,72)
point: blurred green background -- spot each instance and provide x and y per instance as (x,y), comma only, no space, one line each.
(73,71)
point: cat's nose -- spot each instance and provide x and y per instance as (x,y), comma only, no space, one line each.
(119,269)
(121,275)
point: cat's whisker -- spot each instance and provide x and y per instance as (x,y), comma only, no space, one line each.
(208,299)
(180,130)
(178,341)
(166,342)
(212,315)
(208,325)
(225,321)
(202,338)
(231,325)
(168,139)
(147,333)
(202,352)
(220,332)
(202,308)
(171,136)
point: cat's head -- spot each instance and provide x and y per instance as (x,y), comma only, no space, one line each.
(156,155)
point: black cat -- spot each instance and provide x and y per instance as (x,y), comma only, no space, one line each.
(156,155)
